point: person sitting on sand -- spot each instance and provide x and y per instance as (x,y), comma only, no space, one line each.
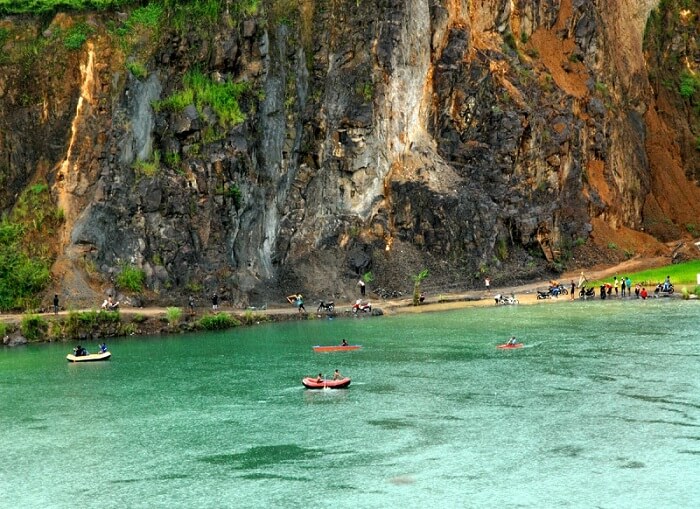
(337,375)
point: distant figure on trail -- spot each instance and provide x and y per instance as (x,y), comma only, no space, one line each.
(110,305)
(421,297)
(362,285)
(55,304)
(298,300)
(190,303)
(215,302)
(487,283)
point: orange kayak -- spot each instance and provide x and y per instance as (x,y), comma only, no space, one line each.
(335,348)
(508,346)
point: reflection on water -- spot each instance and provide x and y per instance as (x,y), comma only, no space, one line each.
(599,410)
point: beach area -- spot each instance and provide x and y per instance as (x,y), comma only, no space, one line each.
(152,320)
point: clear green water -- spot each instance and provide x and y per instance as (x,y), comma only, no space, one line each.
(601,409)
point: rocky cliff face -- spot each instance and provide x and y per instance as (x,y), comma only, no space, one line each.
(498,137)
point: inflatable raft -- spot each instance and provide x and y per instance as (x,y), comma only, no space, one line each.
(313,383)
(92,357)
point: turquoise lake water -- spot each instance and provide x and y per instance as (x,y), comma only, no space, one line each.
(600,409)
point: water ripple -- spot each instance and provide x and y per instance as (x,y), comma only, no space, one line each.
(263,456)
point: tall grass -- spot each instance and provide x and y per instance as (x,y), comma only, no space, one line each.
(131,278)
(21,277)
(45,6)
(200,90)
(680,273)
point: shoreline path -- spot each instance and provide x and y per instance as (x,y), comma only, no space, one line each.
(525,293)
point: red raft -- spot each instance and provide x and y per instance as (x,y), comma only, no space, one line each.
(313,383)
(509,346)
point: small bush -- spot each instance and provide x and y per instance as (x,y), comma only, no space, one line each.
(690,83)
(131,278)
(200,90)
(128,329)
(137,69)
(250,317)
(139,318)
(219,321)
(34,327)
(76,36)
(3,329)
(173,314)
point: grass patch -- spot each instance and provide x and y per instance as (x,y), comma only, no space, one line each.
(680,273)
(76,36)
(200,90)
(138,69)
(48,6)
(34,327)
(131,278)
(251,317)
(149,168)
(173,315)
(21,276)
(219,321)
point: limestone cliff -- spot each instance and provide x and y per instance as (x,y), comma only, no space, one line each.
(470,137)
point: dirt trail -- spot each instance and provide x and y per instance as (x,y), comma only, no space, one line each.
(450,300)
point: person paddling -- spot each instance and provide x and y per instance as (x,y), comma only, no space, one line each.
(512,341)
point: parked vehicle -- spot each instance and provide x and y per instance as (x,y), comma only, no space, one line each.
(362,307)
(586,292)
(505,299)
(326,306)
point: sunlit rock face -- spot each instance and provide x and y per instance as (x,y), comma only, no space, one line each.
(504,137)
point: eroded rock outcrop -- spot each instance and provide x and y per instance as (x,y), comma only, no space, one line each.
(507,138)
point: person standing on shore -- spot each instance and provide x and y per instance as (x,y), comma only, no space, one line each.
(215,302)
(487,283)
(190,303)
(55,303)
(362,285)
(573,290)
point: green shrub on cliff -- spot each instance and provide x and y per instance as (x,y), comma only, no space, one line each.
(44,6)
(131,278)
(21,277)
(201,91)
